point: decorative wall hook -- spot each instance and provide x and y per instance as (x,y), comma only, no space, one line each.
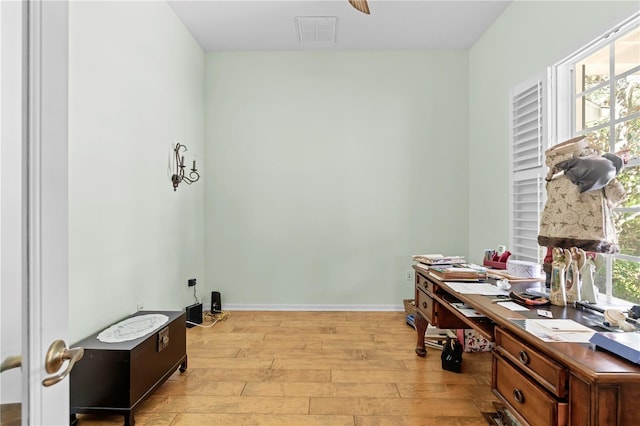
(178,169)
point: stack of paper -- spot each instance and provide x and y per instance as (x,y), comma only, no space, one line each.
(456,273)
(467,311)
(437,259)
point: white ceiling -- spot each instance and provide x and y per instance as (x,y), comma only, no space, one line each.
(393,24)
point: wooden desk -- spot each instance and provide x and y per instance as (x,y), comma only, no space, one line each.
(542,383)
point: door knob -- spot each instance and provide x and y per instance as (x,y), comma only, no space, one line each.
(56,356)
(12,361)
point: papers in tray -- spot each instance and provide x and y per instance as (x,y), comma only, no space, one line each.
(455,277)
(475,288)
(501,274)
(456,273)
(467,311)
(444,272)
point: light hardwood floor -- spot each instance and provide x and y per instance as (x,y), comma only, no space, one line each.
(315,368)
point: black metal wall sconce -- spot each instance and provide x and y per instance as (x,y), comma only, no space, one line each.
(178,169)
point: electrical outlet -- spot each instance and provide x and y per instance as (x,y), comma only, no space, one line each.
(409,275)
(139,306)
(191,282)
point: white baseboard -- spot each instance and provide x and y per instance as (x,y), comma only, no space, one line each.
(305,307)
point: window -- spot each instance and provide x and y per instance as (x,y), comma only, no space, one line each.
(597,95)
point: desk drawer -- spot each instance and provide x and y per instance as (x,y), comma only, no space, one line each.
(546,372)
(530,401)
(435,313)
(425,305)
(424,284)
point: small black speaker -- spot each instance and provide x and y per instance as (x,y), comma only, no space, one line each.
(194,314)
(216,302)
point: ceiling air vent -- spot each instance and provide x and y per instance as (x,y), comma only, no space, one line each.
(316,28)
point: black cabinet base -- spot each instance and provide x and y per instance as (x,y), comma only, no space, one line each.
(115,378)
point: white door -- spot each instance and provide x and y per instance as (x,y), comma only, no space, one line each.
(33,207)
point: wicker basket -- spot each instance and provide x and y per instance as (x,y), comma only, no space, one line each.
(409,306)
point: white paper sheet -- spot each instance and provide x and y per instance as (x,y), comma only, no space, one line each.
(562,325)
(512,306)
(547,334)
(475,288)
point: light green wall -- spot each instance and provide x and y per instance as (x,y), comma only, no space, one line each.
(323,171)
(328,170)
(135,88)
(528,37)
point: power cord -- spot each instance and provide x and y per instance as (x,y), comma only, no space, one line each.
(216,316)
(213,317)
(195,296)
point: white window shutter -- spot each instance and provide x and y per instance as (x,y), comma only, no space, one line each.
(526,122)
(528,114)
(525,217)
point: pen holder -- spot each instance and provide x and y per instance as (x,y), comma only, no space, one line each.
(495,260)
(494,264)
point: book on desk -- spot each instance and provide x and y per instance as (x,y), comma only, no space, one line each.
(456,273)
(626,345)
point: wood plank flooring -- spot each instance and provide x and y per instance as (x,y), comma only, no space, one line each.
(314,368)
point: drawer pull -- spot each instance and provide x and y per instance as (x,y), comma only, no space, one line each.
(424,305)
(518,396)
(524,358)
